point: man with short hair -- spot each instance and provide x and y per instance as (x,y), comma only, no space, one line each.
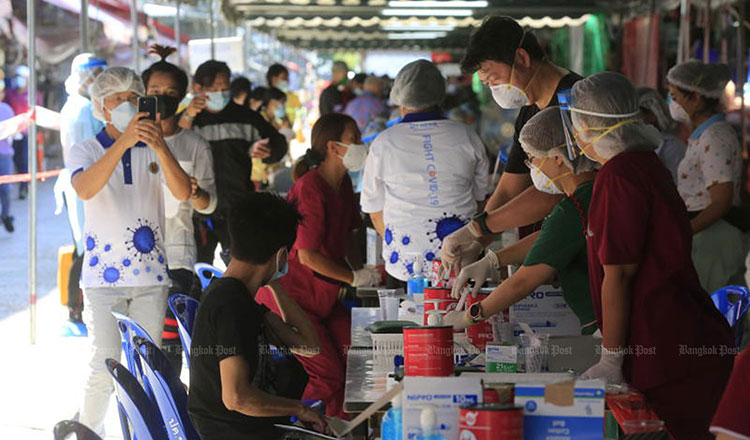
(236,133)
(367,106)
(236,391)
(335,97)
(511,62)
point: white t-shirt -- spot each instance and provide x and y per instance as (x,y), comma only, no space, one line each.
(194,155)
(124,227)
(426,175)
(713,156)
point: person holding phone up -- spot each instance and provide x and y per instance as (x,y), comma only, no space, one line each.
(118,174)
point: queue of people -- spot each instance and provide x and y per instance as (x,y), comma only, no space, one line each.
(637,228)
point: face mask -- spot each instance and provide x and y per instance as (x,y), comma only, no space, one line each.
(509,96)
(677,111)
(122,115)
(542,182)
(283,86)
(279,113)
(585,144)
(217,100)
(20,82)
(358,92)
(355,157)
(167,106)
(280,272)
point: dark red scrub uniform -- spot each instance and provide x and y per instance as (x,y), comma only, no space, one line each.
(733,415)
(677,341)
(328,220)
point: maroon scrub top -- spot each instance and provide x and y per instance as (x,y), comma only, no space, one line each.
(732,415)
(636,216)
(329,217)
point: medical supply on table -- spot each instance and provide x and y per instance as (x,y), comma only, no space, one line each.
(534,350)
(428,421)
(491,422)
(501,358)
(392,427)
(388,304)
(428,351)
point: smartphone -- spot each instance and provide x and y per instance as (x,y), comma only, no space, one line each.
(147,104)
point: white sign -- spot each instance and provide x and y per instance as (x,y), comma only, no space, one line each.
(231,50)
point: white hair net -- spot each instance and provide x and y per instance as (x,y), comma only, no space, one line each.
(111,81)
(418,85)
(602,101)
(543,136)
(707,79)
(652,101)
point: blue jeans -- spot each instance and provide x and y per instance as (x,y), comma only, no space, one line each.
(6,168)
(21,157)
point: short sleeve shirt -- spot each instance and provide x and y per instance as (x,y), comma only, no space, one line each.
(562,245)
(193,153)
(637,217)
(426,174)
(713,156)
(228,323)
(6,112)
(123,234)
(516,156)
(328,219)
(732,415)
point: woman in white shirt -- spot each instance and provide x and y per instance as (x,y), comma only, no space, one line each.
(424,177)
(169,84)
(709,176)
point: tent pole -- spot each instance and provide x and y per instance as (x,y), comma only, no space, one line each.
(84,25)
(707,33)
(178,39)
(741,73)
(213,24)
(134,24)
(31,27)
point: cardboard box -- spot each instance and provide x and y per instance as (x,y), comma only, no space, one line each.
(562,411)
(545,311)
(446,394)
(374,248)
(501,358)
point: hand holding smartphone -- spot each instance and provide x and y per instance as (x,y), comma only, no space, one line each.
(147,104)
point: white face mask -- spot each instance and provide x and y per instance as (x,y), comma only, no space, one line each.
(543,183)
(509,96)
(122,115)
(217,100)
(355,157)
(283,86)
(677,111)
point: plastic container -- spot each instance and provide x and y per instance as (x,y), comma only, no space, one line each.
(533,353)
(386,346)
(428,351)
(388,304)
(491,422)
(418,281)
(428,421)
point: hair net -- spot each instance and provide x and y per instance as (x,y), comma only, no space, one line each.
(707,79)
(82,69)
(652,101)
(418,85)
(603,101)
(543,135)
(111,81)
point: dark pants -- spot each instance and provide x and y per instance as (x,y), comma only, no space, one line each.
(75,295)
(184,282)
(21,158)
(208,236)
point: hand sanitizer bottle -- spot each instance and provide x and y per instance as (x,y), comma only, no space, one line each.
(392,426)
(417,281)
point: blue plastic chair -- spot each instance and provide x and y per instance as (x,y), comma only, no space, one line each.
(128,329)
(65,429)
(184,309)
(164,387)
(733,302)
(206,273)
(138,413)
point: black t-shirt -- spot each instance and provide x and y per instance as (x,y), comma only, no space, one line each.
(330,99)
(517,157)
(229,323)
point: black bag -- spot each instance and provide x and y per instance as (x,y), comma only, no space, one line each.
(279,372)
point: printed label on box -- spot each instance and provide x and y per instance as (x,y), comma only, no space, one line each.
(445,394)
(501,358)
(545,311)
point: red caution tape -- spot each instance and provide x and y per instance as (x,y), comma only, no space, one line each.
(15,178)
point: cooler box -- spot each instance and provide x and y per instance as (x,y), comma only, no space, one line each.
(64,262)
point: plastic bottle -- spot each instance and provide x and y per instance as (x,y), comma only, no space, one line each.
(392,426)
(428,421)
(418,280)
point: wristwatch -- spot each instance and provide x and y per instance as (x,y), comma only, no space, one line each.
(481,219)
(475,312)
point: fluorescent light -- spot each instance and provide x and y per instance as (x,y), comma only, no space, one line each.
(437,4)
(429,12)
(418,28)
(416,35)
(156,10)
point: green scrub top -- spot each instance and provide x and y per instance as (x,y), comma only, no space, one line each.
(562,245)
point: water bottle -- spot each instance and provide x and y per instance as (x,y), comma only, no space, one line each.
(392,425)
(417,281)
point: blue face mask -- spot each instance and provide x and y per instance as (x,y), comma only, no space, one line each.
(122,115)
(280,272)
(217,100)
(279,113)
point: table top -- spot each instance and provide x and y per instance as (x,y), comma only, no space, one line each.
(363,384)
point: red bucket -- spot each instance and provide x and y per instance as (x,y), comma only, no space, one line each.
(428,351)
(490,422)
(479,334)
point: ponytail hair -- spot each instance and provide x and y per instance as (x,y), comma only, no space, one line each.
(163,66)
(329,127)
